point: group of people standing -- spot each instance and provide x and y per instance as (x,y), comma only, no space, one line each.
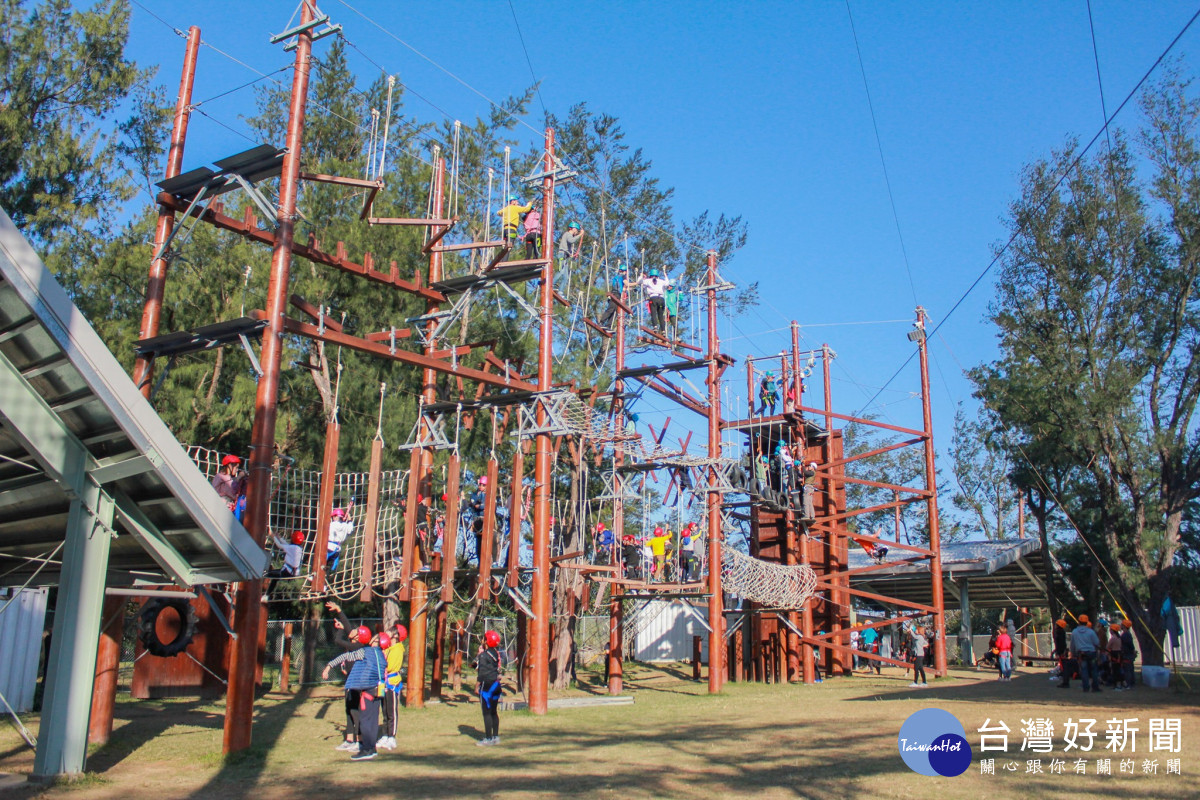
(1104,652)
(373,663)
(664,555)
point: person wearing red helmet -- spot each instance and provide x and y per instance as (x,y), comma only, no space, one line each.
(293,556)
(368,671)
(346,637)
(604,543)
(393,684)
(230,484)
(489,665)
(658,549)
(341,525)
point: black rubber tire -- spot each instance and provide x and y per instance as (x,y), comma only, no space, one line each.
(148,626)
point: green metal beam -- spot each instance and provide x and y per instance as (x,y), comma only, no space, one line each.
(142,528)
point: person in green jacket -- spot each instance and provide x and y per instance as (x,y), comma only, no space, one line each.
(671,298)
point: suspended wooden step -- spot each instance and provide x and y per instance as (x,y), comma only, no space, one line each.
(411,221)
(449,248)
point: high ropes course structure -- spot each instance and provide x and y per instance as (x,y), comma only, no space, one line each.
(772,543)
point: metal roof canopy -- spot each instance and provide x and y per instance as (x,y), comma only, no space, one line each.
(66,403)
(94,489)
(1000,574)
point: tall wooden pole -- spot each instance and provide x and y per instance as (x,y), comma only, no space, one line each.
(833,546)
(539,628)
(716,597)
(418,619)
(239,707)
(935,539)
(143,368)
(616,611)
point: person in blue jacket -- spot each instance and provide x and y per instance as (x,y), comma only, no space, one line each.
(618,289)
(367,677)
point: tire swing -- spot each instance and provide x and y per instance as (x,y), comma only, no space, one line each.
(148,626)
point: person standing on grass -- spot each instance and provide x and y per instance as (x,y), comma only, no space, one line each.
(1004,644)
(919,647)
(1084,644)
(392,646)
(487,680)
(1114,657)
(368,673)
(1128,653)
(870,642)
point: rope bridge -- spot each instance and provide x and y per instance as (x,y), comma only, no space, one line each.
(773,585)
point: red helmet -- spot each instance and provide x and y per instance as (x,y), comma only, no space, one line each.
(337,513)
(363,634)
(297,537)
(599,526)
(658,531)
(491,639)
(385,641)
(230,459)
(401,632)
(483,481)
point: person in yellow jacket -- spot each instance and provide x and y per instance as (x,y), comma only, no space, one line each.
(393,683)
(658,546)
(510,219)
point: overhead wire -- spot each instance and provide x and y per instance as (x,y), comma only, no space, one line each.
(1046,196)
(883,161)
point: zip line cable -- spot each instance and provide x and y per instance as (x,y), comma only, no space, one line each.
(883,161)
(1065,174)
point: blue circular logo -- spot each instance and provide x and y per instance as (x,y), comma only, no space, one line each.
(933,742)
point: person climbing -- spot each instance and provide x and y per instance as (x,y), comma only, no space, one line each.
(671,305)
(1004,644)
(768,394)
(510,219)
(340,528)
(618,290)
(570,243)
(654,285)
(293,556)
(533,233)
(604,543)
(369,670)
(807,507)
(230,483)
(478,505)
(392,646)
(919,645)
(488,666)
(785,463)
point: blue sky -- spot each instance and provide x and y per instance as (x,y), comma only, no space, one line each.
(759,109)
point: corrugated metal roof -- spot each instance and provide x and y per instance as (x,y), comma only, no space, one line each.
(170,525)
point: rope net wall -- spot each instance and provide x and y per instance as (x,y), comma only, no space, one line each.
(294,500)
(773,585)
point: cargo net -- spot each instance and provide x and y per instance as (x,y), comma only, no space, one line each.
(567,415)
(772,585)
(295,495)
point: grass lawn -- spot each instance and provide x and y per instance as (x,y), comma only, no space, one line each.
(832,740)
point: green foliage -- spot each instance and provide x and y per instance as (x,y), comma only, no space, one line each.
(64,79)
(981,471)
(1098,375)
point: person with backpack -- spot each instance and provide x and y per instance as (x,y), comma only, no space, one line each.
(230,485)
(488,666)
